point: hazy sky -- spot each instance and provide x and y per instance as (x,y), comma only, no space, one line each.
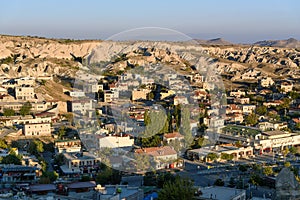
(233,20)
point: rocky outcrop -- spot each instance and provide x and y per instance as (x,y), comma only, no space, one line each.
(287,187)
(30,56)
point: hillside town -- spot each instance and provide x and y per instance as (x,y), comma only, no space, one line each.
(122,133)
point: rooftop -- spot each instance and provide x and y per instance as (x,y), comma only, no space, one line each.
(273,133)
(157,151)
(126,190)
(220,193)
(78,156)
(77,185)
(173,135)
(42,187)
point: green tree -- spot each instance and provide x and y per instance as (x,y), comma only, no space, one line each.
(268,171)
(12,158)
(243,168)
(180,188)
(225,156)
(25,109)
(51,175)
(255,179)
(251,119)
(298,126)
(59,159)
(3,144)
(293,150)
(108,176)
(150,95)
(294,95)
(104,176)
(286,103)
(142,162)
(287,164)
(177,116)
(8,112)
(153,141)
(219,182)
(163,178)
(261,110)
(231,182)
(155,122)
(185,126)
(146,118)
(61,132)
(212,156)
(36,147)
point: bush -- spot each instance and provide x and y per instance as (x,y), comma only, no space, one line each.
(219,182)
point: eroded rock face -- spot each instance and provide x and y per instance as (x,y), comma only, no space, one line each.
(287,187)
(36,56)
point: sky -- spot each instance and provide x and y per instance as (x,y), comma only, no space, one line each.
(239,21)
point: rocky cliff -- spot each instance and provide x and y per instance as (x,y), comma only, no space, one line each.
(30,56)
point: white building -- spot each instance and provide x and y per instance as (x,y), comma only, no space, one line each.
(267,82)
(77,94)
(81,106)
(37,129)
(115,141)
(25,93)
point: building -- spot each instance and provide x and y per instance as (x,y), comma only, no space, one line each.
(67,146)
(77,94)
(180,100)
(264,126)
(18,174)
(28,119)
(6,98)
(275,141)
(42,189)
(115,141)
(37,129)
(80,106)
(266,82)
(78,187)
(3,91)
(25,93)
(237,152)
(209,86)
(139,94)
(243,100)
(79,162)
(234,118)
(108,96)
(25,81)
(237,93)
(286,86)
(248,109)
(164,157)
(169,137)
(221,193)
(118,192)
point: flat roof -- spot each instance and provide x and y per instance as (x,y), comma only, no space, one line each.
(273,133)
(76,156)
(220,193)
(77,185)
(42,187)
(66,170)
(126,190)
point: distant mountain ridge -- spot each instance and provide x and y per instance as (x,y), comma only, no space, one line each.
(289,43)
(216,41)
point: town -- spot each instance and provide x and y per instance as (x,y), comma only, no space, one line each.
(122,133)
